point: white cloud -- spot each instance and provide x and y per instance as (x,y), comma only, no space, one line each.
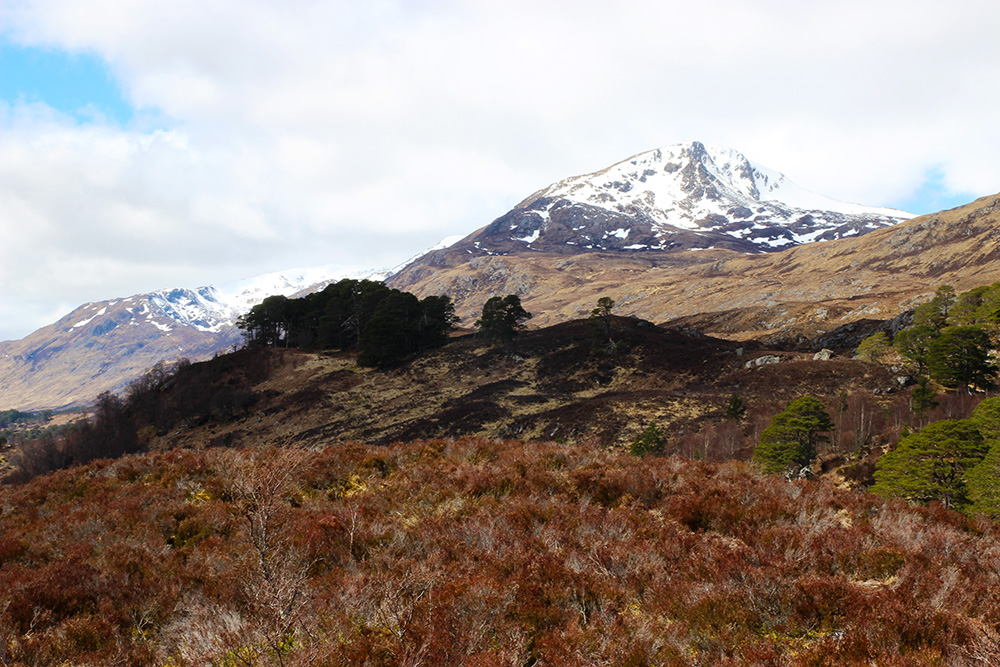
(292,133)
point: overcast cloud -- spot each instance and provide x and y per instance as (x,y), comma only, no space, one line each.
(271,135)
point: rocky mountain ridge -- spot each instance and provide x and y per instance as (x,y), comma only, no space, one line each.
(686,196)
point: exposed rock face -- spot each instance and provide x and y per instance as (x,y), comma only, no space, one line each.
(765,360)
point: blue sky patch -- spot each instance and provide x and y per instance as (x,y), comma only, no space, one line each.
(932,195)
(80,85)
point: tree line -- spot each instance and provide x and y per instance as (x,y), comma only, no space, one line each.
(955,462)
(385,324)
(179,395)
(950,338)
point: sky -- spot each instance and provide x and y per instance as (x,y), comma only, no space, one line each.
(147,145)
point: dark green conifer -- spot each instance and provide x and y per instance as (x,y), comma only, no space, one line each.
(503,318)
(932,463)
(789,442)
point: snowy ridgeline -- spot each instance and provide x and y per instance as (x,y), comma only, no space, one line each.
(213,308)
(702,189)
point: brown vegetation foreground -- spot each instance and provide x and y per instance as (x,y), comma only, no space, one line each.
(480,552)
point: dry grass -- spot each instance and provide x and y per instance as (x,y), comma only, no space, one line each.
(819,286)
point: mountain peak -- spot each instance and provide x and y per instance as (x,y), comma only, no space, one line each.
(684,196)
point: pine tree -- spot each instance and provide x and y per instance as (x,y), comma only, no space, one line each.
(914,343)
(984,484)
(986,417)
(984,479)
(924,397)
(988,312)
(437,320)
(599,324)
(874,348)
(391,333)
(935,313)
(932,463)
(964,310)
(959,357)
(736,408)
(789,442)
(503,318)
(650,441)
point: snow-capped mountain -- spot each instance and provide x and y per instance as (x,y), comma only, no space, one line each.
(680,197)
(211,309)
(105,344)
(216,307)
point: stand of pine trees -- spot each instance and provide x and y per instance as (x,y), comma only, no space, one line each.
(387,325)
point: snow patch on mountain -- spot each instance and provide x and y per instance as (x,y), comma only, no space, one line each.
(214,309)
(446,242)
(701,189)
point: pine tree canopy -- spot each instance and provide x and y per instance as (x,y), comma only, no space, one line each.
(932,463)
(789,442)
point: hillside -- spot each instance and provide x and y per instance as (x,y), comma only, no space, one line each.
(679,206)
(102,346)
(547,384)
(481,552)
(478,505)
(781,298)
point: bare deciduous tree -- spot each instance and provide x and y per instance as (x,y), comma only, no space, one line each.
(276,574)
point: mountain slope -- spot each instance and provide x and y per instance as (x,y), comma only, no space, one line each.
(680,197)
(799,293)
(564,246)
(104,345)
(576,549)
(482,552)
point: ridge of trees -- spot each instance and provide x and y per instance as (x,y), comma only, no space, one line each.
(386,324)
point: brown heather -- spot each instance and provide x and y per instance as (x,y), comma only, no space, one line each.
(481,552)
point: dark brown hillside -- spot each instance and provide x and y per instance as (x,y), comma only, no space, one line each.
(546,385)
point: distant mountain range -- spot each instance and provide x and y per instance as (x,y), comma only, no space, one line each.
(688,205)
(104,345)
